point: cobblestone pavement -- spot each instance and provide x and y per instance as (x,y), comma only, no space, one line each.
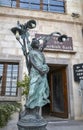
(57,124)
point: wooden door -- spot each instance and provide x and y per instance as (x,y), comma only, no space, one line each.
(58,92)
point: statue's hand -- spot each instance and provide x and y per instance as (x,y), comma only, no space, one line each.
(44,70)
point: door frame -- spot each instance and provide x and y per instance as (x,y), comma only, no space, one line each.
(62,69)
(65,61)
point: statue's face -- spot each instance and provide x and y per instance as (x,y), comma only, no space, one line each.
(35,43)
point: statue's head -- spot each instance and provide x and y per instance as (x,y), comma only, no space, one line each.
(35,43)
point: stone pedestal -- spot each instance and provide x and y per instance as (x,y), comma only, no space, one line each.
(31,120)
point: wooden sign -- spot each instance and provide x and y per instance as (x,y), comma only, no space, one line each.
(53,43)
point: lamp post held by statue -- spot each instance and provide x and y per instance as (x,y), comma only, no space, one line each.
(38,69)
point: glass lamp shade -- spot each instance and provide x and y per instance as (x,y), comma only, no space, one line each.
(31,24)
(62,38)
(16,29)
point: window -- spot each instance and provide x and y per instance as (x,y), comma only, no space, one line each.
(9,3)
(53,5)
(8,79)
(45,5)
(30,4)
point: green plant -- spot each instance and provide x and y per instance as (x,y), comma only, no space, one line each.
(6,109)
(24,84)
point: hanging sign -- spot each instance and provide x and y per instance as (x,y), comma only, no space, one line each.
(78,72)
(54,44)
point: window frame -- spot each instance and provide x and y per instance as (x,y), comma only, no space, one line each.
(41,6)
(4,78)
(14,59)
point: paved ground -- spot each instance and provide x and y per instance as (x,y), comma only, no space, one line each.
(65,125)
(55,124)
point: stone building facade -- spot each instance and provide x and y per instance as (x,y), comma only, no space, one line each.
(65,93)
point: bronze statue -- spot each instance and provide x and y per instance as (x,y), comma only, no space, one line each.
(38,69)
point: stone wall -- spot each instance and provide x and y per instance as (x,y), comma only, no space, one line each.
(74,6)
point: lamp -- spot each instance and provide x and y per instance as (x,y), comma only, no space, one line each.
(75,15)
(62,38)
(21,29)
(17,32)
(31,24)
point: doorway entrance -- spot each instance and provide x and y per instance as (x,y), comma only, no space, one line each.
(57,80)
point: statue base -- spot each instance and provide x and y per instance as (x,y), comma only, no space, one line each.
(31,120)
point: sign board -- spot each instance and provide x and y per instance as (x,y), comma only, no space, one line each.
(54,44)
(78,72)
